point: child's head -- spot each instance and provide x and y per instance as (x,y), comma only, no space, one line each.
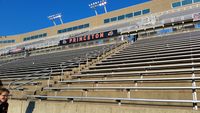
(4,94)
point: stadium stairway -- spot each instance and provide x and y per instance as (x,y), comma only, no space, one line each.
(161,71)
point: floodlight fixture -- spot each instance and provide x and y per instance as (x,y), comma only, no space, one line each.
(98,4)
(54,17)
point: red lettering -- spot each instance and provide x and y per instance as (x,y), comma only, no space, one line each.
(84,38)
(80,39)
(70,40)
(101,35)
(74,40)
(93,36)
(97,36)
(88,37)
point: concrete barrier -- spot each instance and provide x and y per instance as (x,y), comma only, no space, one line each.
(22,106)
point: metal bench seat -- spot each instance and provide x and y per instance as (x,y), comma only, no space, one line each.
(120,88)
(143,68)
(163,42)
(154,51)
(119,100)
(157,54)
(155,59)
(184,79)
(162,45)
(29,78)
(139,73)
(33,70)
(146,63)
(17,83)
(38,67)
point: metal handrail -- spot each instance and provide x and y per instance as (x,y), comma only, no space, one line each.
(121,88)
(31,80)
(133,80)
(26,77)
(119,100)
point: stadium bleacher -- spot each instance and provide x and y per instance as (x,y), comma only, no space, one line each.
(151,60)
(163,70)
(25,71)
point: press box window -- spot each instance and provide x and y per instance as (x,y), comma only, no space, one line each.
(45,34)
(106,20)
(113,19)
(137,13)
(176,4)
(80,27)
(186,2)
(40,35)
(69,29)
(121,17)
(130,15)
(86,25)
(196,1)
(59,31)
(75,28)
(145,11)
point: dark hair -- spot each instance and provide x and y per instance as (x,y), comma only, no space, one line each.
(4,90)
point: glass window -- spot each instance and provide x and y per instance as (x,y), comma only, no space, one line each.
(113,19)
(36,36)
(121,17)
(70,29)
(28,38)
(106,20)
(75,28)
(65,30)
(176,4)
(80,27)
(59,31)
(129,15)
(196,1)
(40,35)
(86,25)
(145,11)
(32,37)
(137,13)
(186,2)
(45,34)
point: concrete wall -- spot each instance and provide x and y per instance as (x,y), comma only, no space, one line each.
(21,106)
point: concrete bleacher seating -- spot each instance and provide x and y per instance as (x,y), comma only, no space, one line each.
(163,70)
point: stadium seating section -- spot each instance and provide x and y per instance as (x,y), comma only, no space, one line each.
(154,71)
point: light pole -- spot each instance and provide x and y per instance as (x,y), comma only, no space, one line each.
(93,6)
(103,3)
(55,16)
(98,4)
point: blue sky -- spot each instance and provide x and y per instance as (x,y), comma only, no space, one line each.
(21,16)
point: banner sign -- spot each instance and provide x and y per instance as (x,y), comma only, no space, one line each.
(90,37)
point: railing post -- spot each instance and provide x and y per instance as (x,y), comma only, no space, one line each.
(48,83)
(128,93)
(194,93)
(62,71)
